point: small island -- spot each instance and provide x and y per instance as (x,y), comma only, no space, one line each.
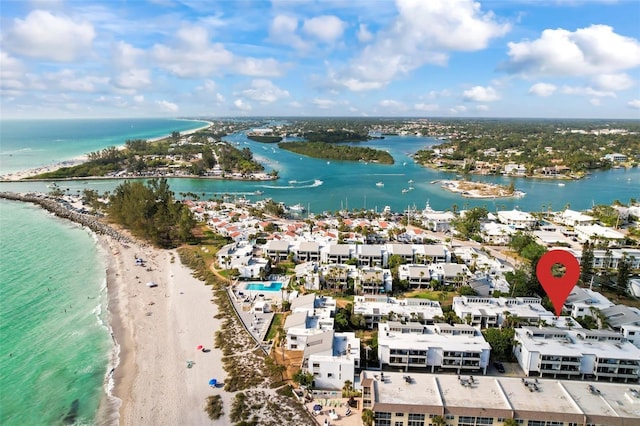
(332,151)
(471,189)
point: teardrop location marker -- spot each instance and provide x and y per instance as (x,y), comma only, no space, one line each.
(558,288)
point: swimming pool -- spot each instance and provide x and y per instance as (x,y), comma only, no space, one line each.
(272,286)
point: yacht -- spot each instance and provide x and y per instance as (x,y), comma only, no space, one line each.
(379,184)
(404,191)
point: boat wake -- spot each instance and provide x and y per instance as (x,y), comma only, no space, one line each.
(294,184)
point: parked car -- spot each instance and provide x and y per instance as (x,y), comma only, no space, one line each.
(498,365)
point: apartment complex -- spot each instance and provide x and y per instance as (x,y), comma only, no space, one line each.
(415,399)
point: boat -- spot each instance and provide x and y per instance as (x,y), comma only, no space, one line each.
(410,181)
(258,192)
(328,162)
(404,191)
(411,188)
(293,182)
(379,184)
(561,184)
(298,208)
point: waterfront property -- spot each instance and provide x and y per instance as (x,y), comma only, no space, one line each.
(406,399)
(263,286)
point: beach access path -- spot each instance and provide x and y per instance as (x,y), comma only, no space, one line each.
(158,330)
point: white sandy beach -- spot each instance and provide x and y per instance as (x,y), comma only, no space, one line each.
(158,330)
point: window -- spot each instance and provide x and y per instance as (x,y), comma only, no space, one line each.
(401,423)
(382,419)
(484,421)
(399,414)
(416,419)
(329,374)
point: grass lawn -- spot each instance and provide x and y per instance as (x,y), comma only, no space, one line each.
(275,325)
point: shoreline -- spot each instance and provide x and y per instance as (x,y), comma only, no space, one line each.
(75,161)
(479,190)
(154,330)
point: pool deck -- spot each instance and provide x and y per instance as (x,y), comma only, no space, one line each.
(257,323)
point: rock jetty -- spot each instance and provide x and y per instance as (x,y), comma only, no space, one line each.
(65,210)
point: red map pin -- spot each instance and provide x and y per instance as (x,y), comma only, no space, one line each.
(558,288)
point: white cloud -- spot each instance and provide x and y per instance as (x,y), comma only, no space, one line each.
(219,98)
(167,106)
(458,109)
(542,89)
(426,107)
(241,105)
(208,86)
(612,82)
(192,54)
(392,105)
(586,91)
(11,74)
(436,94)
(586,51)
(138,99)
(295,104)
(68,80)
(481,108)
(595,101)
(480,94)
(125,56)
(323,103)
(364,35)
(635,104)
(264,91)
(326,28)
(45,35)
(421,34)
(132,79)
(255,67)
(283,30)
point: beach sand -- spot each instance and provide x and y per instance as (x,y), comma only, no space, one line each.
(158,330)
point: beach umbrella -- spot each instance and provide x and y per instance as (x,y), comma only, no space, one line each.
(213,382)
(199,347)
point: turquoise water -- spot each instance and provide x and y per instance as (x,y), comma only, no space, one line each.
(55,344)
(33,143)
(338,185)
(55,337)
(273,286)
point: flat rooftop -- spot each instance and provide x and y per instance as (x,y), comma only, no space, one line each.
(507,393)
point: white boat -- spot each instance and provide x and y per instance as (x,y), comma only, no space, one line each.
(404,191)
(293,182)
(299,208)
(258,192)
(379,184)
(561,184)
(410,181)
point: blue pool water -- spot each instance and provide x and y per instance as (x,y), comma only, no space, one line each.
(272,286)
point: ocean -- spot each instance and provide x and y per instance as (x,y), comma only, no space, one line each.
(50,358)
(56,348)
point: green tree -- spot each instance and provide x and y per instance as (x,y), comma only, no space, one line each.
(586,263)
(367,417)
(624,271)
(303,378)
(501,341)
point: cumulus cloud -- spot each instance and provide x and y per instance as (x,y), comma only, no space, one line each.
(426,107)
(45,35)
(587,51)
(586,91)
(323,103)
(283,30)
(167,106)
(364,35)
(480,94)
(392,105)
(612,82)
(11,74)
(326,28)
(458,109)
(635,104)
(132,79)
(241,105)
(542,89)
(264,91)
(192,54)
(256,67)
(421,34)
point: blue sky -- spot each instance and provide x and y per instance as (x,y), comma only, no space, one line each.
(430,58)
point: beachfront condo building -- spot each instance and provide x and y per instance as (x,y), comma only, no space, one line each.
(412,399)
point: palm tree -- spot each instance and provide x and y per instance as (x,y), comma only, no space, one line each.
(347,389)
(367,417)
